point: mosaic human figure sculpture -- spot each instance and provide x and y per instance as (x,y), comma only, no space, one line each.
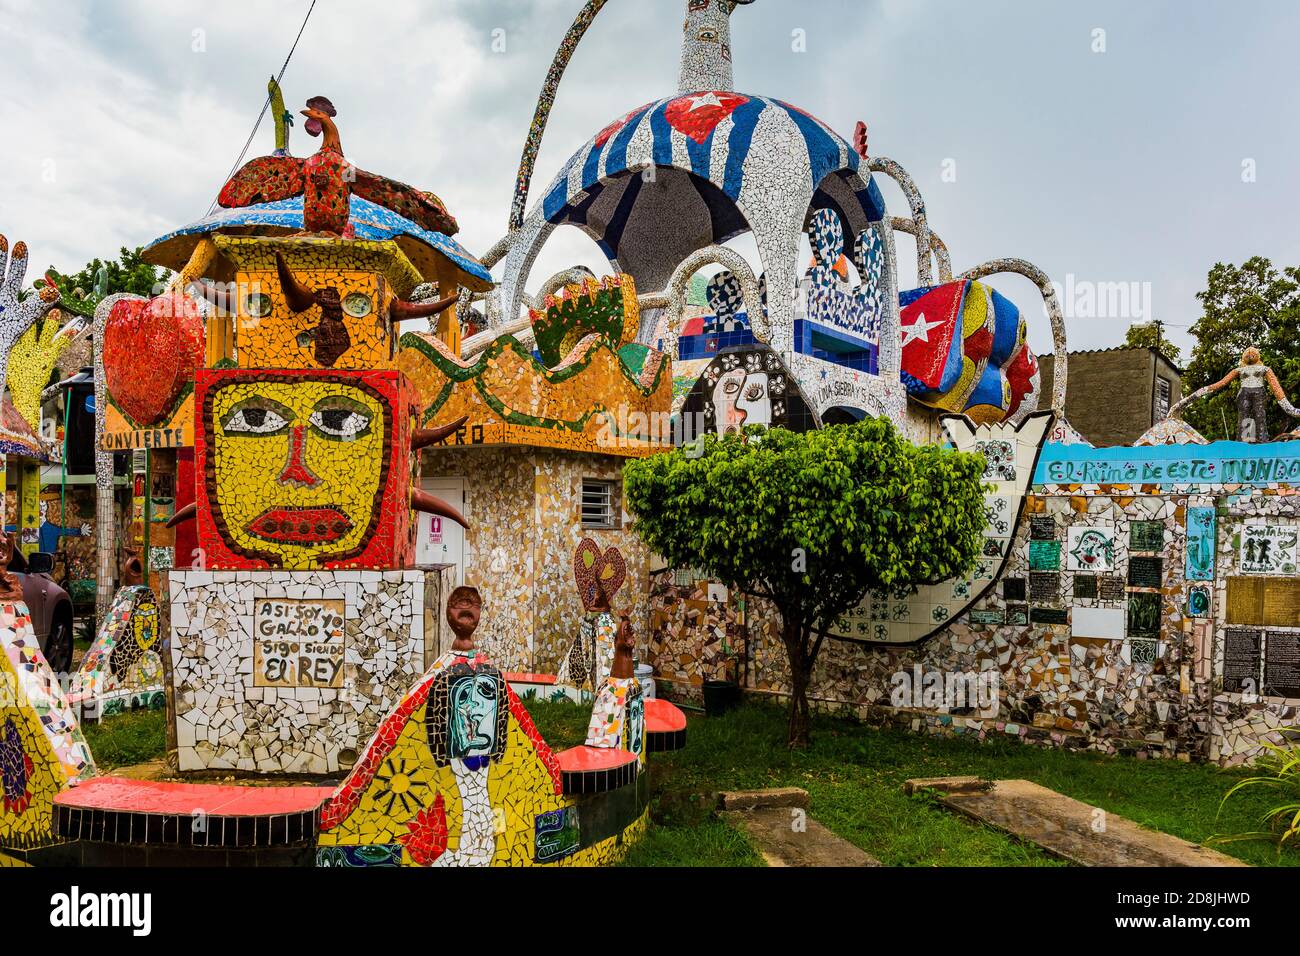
(706,45)
(1258,381)
(592,655)
(467,729)
(618,716)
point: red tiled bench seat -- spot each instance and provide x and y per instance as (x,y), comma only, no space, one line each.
(665,726)
(513,677)
(595,769)
(117,810)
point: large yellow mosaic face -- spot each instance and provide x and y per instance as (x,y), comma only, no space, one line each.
(299,466)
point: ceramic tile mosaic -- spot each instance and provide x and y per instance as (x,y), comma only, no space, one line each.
(457,775)
(232,643)
(618,716)
(19,312)
(123,667)
(42,750)
(602,388)
(304,469)
(352,287)
(1135,669)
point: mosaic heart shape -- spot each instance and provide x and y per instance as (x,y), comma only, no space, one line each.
(591,566)
(151,350)
(698,114)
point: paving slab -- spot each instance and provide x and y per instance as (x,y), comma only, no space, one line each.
(787,836)
(1068,828)
(756,799)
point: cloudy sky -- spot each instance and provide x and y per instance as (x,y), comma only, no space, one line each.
(1108,142)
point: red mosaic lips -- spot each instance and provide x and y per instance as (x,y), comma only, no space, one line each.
(151,351)
(301,525)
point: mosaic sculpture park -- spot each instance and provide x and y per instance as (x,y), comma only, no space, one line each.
(1130,599)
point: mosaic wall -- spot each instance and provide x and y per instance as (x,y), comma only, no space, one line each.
(42,750)
(591,386)
(1254,621)
(524,508)
(1118,623)
(123,667)
(292,671)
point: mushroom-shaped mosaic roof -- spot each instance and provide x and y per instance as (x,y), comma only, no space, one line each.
(735,145)
(369,221)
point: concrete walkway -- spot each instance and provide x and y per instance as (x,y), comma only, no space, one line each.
(778,825)
(1065,827)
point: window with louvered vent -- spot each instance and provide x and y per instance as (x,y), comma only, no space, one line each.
(599,504)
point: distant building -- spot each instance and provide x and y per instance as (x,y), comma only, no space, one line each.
(1114,395)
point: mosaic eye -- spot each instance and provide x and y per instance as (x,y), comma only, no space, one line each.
(356,304)
(709,36)
(257,416)
(259,305)
(340,419)
(754,392)
(730,387)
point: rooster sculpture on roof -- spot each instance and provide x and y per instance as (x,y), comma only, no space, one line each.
(326,180)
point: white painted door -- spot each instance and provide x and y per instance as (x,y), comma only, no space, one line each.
(440,540)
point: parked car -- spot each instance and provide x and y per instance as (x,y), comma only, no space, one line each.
(50,607)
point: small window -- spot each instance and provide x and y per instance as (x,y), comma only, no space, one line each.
(1162,398)
(600,506)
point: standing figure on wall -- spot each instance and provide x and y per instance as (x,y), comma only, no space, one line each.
(1257,381)
(592,654)
(618,717)
(598,576)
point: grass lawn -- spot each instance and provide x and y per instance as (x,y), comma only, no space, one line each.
(134,737)
(854,776)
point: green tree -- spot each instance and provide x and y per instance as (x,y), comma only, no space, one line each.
(81,291)
(812,521)
(1250,304)
(1151,335)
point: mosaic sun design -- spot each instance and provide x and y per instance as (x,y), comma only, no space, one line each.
(299,466)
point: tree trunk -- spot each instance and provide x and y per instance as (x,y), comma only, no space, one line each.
(795,637)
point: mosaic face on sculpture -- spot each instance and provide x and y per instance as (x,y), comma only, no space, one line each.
(300,464)
(464,609)
(467,714)
(745,386)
